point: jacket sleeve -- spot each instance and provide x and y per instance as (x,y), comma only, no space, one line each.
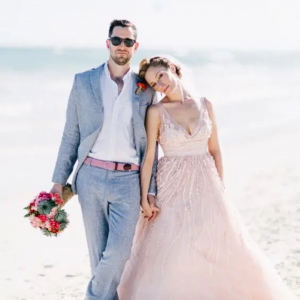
(152,187)
(67,155)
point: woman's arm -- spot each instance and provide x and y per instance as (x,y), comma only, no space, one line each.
(152,130)
(213,143)
(152,187)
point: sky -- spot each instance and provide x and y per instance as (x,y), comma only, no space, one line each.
(181,24)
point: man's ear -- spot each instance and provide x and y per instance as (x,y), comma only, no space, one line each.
(136,46)
(108,43)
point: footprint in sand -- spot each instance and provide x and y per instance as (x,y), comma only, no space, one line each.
(70,276)
(48,266)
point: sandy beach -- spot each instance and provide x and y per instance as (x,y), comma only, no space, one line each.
(262,178)
(260,134)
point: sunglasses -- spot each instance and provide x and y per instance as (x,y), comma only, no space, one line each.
(116,41)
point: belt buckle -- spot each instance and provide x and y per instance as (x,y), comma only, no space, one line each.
(127,167)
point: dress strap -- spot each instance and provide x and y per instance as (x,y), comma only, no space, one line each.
(205,111)
(162,110)
(203,102)
(204,105)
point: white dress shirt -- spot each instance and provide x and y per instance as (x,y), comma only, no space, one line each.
(115,141)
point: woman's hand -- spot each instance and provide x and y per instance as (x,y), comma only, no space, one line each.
(150,211)
(155,209)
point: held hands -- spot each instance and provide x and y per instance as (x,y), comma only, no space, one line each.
(149,208)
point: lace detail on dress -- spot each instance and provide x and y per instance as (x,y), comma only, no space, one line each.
(174,138)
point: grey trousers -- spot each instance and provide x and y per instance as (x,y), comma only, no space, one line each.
(110,204)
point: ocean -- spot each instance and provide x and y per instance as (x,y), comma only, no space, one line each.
(254,94)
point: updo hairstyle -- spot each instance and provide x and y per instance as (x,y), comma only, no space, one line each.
(146,63)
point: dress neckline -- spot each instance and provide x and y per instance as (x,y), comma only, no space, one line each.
(189,133)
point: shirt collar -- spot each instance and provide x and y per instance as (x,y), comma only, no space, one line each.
(126,77)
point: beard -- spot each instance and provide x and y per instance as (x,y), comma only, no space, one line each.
(121,61)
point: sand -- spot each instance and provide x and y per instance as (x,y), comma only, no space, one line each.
(262,179)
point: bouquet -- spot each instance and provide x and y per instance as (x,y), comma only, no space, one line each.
(45,212)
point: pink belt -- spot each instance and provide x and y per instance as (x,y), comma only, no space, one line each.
(109,165)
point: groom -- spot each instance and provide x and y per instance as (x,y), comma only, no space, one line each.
(105,132)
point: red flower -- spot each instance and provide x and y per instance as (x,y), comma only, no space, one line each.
(141,87)
(56,195)
(54,225)
(57,198)
(59,201)
(30,207)
(43,218)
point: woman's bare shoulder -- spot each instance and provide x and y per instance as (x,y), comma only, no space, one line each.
(153,111)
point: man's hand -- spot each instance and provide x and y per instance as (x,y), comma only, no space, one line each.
(152,205)
(57,188)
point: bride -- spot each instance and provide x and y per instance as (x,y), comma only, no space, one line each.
(192,244)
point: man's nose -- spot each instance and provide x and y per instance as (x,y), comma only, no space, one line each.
(122,44)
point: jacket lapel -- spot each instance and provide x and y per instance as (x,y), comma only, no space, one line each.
(137,121)
(95,82)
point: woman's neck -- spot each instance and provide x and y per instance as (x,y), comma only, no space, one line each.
(179,95)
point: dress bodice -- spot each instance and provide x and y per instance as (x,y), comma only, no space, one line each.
(176,141)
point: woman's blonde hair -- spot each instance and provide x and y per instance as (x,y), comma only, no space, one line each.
(146,63)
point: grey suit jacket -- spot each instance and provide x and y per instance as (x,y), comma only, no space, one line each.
(84,120)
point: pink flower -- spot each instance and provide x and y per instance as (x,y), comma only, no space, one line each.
(47,225)
(43,225)
(35,222)
(53,212)
(44,196)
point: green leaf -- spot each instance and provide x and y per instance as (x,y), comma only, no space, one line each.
(46,232)
(27,215)
(63,226)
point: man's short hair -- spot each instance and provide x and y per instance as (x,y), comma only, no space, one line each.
(122,23)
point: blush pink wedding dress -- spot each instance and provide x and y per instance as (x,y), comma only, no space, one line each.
(198,248)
